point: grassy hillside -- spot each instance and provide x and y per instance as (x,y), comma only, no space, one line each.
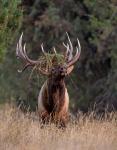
(21,132)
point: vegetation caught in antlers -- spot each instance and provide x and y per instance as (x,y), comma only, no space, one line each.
(46,61)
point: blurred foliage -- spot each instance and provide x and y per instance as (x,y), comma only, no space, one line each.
(9,22)
(94,80)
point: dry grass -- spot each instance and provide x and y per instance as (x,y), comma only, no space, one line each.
(20,132)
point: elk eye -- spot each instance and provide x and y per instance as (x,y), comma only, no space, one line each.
(61,69)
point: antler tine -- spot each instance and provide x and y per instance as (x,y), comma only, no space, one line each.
(21,53)
(20,46)
(19,49)
(42,48)
(25,55)
(69,47)
(79,47)
(67,54)
(54,49)
(77,55)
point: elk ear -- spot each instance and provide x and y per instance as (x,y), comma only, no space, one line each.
(69,70)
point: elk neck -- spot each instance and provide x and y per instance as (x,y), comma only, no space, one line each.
(56,94)
(56,81)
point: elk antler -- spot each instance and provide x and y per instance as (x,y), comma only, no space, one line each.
(69,52)
(21,53)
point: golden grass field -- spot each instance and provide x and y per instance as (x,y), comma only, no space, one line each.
(20,131)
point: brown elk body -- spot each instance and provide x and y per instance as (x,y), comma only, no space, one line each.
(53,99)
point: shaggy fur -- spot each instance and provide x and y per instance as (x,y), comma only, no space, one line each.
(53,101)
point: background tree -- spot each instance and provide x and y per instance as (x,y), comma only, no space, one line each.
(94,78)
(9,23)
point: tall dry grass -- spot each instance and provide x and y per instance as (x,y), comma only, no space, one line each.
(20,131)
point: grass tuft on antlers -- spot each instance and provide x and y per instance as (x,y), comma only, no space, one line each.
(46,62)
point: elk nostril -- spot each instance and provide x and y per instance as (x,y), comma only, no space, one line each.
(61,70)
(53,71)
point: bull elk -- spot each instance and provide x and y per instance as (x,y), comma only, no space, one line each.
(53,99)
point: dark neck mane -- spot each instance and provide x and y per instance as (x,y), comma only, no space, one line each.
(56,95)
